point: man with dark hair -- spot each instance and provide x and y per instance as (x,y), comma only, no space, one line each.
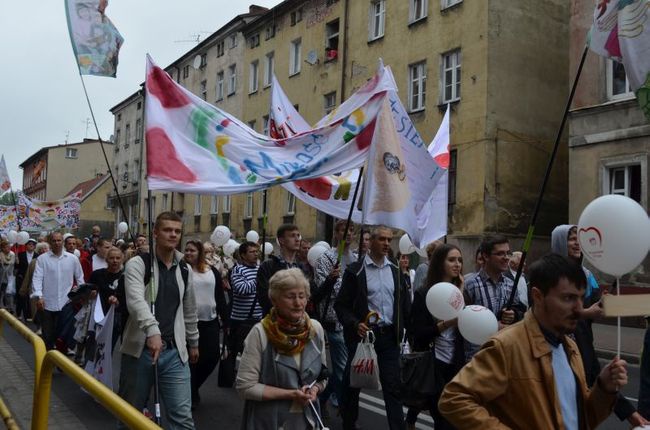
(141,245)
(491,288)
(98,260)
(374,286)
(246,310)
(531,376)
(288,236)
(169,337)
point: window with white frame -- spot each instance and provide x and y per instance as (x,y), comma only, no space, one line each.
(214,205)
(377,19)
(232,79)
(625,181)
(226,204)
(332,35)
(220,48)
(204,61)
(165,202)
(261,205)
(186,71)
(296,16)
(444,4)
(417,86)
(197,205)
(127,135)
(269,64)
(291,204)
(329,102)
(295,61)
(254,40)
(233,41)
(248,206)
(220,86)
(71,153)
(618,86)
(253,77)
(265,125)
(204,89)
(138,130)
(270,31)
(417,10)
(450,76)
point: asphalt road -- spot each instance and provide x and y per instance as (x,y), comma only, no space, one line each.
(222,408)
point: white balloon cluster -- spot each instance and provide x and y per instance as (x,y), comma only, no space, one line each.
(252,236)
(268,248)
(22,238)
(230,247)
(315,252)
(407,247)
(220,236)
(12,236)
(122,227)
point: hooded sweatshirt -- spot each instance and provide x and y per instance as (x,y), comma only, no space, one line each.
(559,238)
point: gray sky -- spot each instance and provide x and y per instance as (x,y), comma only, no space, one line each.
(41,97)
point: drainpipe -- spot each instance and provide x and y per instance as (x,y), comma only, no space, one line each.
(344,58)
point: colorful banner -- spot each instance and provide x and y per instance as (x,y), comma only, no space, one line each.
(37,215)
(195,147)
(5,182)
(8,220)
(95,40)
(621,31)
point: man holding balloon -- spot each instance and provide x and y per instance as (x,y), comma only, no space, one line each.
(536,359)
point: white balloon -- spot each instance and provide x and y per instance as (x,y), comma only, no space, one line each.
(22,238)
(323,244)
(405,245)
(230,247)
(612,232)
(314,254)
(268,248)
(252,236)
(477,324)
(123,227)
(220,235)
(12,236)
(445,301)
(421,252)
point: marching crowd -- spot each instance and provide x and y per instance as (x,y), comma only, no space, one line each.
(297,327)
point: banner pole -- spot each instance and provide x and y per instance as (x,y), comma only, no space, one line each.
(547,175)
(13,198)
(152,302)
(349,220)
(264,218)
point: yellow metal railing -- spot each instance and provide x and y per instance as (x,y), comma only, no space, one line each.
(8,419)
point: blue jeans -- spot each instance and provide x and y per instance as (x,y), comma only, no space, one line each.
(339,356)
(644,387)
(136,381)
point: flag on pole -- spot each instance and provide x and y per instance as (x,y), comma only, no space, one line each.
(5,182)
(101,366)
(95,40)
(621,31)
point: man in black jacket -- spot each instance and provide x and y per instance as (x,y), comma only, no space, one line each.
(374,285)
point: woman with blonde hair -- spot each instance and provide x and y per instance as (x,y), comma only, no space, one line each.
(283,366)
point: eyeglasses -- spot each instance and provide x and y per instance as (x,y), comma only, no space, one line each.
(502,254)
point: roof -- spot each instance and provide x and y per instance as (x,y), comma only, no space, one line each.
(88,187)
(47,148)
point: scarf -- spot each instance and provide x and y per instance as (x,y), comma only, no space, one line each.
(286,337)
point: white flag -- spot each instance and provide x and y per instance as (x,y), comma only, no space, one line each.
(101,367)
(5,182)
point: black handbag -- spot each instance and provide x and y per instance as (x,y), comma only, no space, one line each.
(417,379)
(227,373)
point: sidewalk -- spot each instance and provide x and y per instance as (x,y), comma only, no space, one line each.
(16,389)
(605,340)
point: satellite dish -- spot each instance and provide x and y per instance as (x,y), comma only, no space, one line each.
(197,62)
(312,57)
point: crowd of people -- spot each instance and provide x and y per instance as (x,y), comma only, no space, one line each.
(296,326)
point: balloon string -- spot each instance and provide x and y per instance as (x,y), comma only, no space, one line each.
(618,322)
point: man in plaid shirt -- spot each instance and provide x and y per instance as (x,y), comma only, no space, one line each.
(491,288)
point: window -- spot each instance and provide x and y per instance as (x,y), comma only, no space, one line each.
(109,202)
(417,10)
(453,161)
(291,204)
(204,60)
(269,61)
(138,130)
(136,172)
(139,106)
(252,77)
(251,124)
(232,79)
(219,86)
(254,40)
(127,135)
(626,181)
(197,205)
(449,3)
(261,205)
(71,153)
(226,204)
(214,204)
(332,39)
(204,89)
(294,57)
(330,102)
(296,16)
(248,206)
(618,86)
(233,41)
(417,86)
(165,200)
(119,117)
(265,125)
(220,48)
(118,135)
(270,32)
(377,19)
(186,71)
(450,75)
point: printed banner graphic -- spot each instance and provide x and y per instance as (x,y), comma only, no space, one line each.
(37,215)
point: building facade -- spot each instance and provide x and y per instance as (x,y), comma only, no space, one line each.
(609,137)
(95,206)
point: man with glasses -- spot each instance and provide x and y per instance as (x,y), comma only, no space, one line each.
(491,288)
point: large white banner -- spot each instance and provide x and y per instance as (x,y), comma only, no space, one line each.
(101,367)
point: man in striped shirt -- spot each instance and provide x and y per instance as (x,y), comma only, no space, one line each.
(246,310)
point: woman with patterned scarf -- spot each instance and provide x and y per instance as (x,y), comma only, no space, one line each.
(283,366)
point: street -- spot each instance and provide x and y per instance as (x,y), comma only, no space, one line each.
(220,406)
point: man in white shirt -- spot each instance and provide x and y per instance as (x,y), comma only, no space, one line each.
(99,259)
(54,276)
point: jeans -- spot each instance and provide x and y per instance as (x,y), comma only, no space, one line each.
(136,381)
(339,357)
(644,386)
(387,351)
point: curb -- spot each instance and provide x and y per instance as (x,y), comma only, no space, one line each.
(609,354)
